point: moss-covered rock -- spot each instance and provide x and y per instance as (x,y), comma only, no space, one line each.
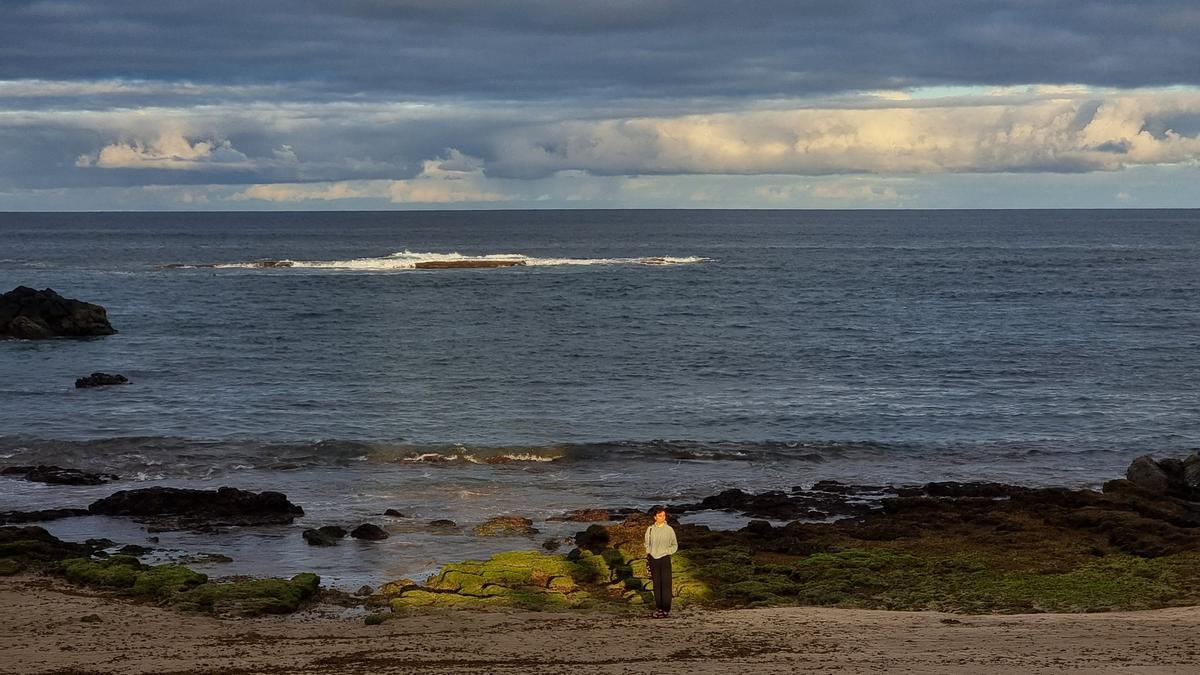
(250,597)
(164,581)
(118,571)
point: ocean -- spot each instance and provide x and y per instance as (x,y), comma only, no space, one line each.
(633,358)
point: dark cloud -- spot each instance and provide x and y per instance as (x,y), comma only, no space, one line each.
(642,49)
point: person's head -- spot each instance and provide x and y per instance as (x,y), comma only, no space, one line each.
(659,513)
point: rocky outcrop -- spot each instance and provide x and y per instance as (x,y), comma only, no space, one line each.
(28,314)
(15,517)
(827,499)
(505,526)
(167,508)
(961,547)
(100,380)
(31,547)
(57,475)
(1173,477)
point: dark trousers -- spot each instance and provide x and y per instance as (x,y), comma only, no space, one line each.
(660,576)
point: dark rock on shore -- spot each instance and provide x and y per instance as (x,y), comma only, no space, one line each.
(1173,477)
(100,380)
(57,475)
(824,500)
(584,516)
(29,314)
(178,508)
(369,532)
(32,547)
(13,517)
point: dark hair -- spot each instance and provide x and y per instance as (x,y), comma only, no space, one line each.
(656,509)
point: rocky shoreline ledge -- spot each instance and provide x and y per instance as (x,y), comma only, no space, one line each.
(971,548)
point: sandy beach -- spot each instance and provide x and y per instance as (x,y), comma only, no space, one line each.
(47,626)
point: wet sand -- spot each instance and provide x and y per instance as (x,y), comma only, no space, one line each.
(42,630)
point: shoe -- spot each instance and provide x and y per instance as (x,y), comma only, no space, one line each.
(658,614)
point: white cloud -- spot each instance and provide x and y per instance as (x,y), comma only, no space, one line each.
(169,150)
(454,178)
(1062,133)
(299,192)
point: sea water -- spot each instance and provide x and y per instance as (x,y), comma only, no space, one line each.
(631,358)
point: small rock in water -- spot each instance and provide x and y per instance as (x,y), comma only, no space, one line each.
(551,544)
(100,380)
(393,513)
(369,532)
(134,550)
(505,525)
(318,538)
(57,475)
(584,516)
(442,524)
(332,531)
(364,591)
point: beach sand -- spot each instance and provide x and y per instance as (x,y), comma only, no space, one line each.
(42,630)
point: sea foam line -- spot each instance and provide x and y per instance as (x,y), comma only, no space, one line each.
(411,260)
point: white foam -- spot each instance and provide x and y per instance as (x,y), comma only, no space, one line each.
(408,260)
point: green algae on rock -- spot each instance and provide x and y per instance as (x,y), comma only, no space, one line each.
(250,597)
(958,547)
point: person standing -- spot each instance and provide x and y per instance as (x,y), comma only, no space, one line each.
(660,545)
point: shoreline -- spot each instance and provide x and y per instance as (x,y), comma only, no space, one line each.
(52,627)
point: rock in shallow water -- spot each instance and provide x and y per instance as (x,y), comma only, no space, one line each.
(318,538)
(57,475)
(180,508)
(506,525)
(369,532)
(100,380)
(29,314)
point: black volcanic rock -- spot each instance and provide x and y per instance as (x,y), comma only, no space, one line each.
(29,314)
(57,475)
(179,508)
(100,380)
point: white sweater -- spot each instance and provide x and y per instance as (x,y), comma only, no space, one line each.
(660,541)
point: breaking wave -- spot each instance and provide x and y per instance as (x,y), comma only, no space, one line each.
(410,260)
(155,457)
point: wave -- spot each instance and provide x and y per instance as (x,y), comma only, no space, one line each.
(156,457)
(410,260)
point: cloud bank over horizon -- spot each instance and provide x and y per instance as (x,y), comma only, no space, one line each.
(536,103)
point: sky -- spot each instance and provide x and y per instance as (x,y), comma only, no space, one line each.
(484,104)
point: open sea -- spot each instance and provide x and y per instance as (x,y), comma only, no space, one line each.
(636,357)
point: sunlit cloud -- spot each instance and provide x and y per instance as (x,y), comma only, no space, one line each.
(1069,134)
(166,151)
